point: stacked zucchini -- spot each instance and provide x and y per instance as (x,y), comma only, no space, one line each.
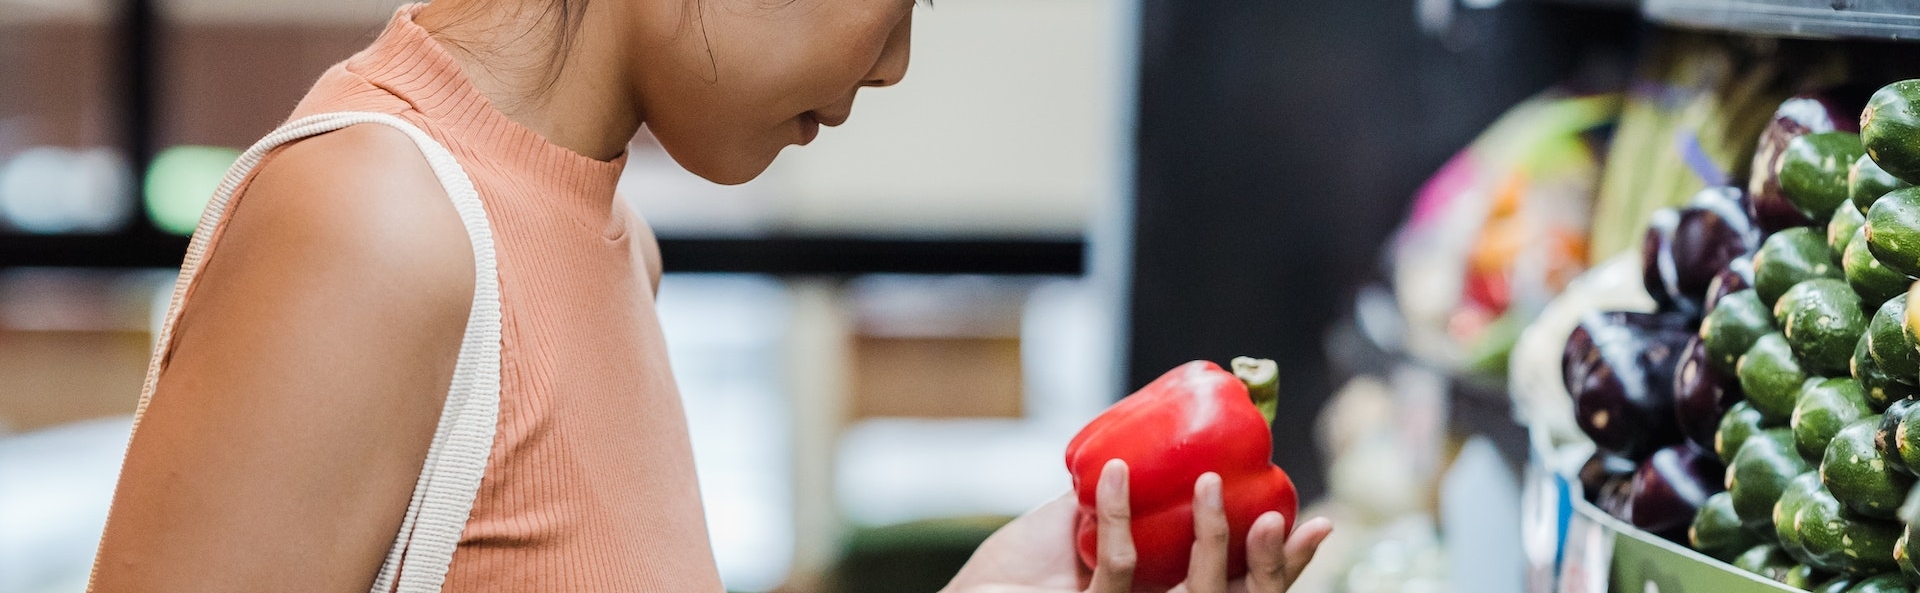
(1802,374)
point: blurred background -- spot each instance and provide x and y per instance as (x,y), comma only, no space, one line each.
(1063,200)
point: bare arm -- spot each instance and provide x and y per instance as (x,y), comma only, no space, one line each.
(305,381)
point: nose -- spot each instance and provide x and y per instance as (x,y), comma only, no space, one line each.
(892,65)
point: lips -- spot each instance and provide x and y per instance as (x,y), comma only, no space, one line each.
(809,128)
(828,120)
(811,121)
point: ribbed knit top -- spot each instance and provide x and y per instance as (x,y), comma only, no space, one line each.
(590,485)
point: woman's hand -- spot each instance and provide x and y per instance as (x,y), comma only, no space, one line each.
(1035,553)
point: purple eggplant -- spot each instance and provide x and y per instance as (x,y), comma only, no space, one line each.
(1706,238)
(1800,115)
(1686,248)
(1737,277)
(1670,487)
(1619,368)
(1701,394)
(1657,272)
(1730,204)
(1601,468)
(1834,109)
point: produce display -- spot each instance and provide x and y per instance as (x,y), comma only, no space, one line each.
(1196,418)
(1765,415)
(1699,103)
(1500,229)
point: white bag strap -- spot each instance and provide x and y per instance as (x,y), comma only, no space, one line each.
(443,496)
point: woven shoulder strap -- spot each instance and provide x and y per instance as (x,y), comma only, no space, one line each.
(443,496)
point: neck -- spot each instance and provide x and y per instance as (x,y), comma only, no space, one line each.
(510,51)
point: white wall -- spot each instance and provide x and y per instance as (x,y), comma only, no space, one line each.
(1008,122)
(1005,122)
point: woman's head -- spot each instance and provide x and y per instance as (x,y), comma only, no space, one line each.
(724,85)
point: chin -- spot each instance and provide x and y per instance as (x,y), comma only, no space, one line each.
(728,171)
(723,170)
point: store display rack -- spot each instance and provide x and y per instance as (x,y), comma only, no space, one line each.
(1887,20)
(1878,20)
(818,255)
(783,256)
(1873,20)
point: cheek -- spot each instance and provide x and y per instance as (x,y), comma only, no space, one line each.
(815,52)
(791,70)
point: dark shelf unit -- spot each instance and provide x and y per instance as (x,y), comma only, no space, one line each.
(784,255)
(808,256)
(1270,173)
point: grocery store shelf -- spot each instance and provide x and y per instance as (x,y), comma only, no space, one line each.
(846,255)
(1887,20)
(787,256)
(149,249)
(1608,4)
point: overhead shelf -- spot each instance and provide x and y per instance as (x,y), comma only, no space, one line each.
(1604,4)
(781,256)
(833,256)
(1883,20)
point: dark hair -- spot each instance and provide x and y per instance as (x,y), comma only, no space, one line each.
(565,16)
(567,25)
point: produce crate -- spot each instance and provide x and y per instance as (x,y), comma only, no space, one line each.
(1602,554)
(1892,20)
(1574,547)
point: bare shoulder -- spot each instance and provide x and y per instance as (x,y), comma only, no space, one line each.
(363,196)
(306,377)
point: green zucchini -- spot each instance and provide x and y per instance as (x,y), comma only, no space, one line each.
(1866,182)
(1735,322)
(1906,439)
(1740,421)
(1873,281)
(1854,471)
(1891,582)
(1890,129)
(1893,231)
(1771,377)
(1802,490)
(1761,471)
(1790,256)
(1825,407)
(1842,226)
(1903,554)
(1766,560)
(1881,389)
(1822,321)
(1813,172)
(1717,531)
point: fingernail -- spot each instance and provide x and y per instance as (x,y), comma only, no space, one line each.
(1113,476)
(1212,490)
(1273,518)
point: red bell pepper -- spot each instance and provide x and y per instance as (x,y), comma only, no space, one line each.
(1195,419)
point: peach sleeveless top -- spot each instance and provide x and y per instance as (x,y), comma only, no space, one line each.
(586,482)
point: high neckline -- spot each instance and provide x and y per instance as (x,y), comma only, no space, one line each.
(407,61)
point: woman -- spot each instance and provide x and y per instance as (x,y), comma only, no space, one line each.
(414,345)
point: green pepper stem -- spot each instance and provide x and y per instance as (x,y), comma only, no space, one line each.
(1262,378)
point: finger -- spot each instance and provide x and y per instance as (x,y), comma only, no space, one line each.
(1266,554)
(1114,572)
(1207,566)
(1303,543)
